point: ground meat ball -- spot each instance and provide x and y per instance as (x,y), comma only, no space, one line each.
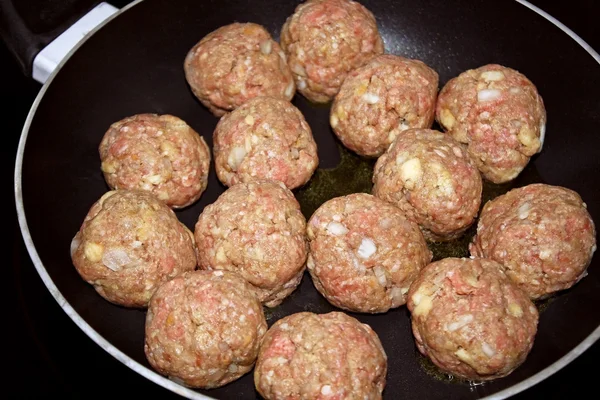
(235,63)
(326,39)
(364,253)
(381,99)
(470,319)
(542,234)
(327,356)
(433,180)
(257,230)
(157,153)
(204,328)
(265,138)
(499,114)
(129,244)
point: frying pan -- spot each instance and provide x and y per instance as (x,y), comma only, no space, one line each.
(133,64)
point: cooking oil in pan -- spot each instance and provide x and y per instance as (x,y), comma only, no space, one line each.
(354,175)
(432,370)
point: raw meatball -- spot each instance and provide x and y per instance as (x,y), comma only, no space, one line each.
(470,319)
(235,63)
(257,230)
(542,234)
(157,153)
(499,114)
(129,244)
(364,253)
(265,138)
(204,328)
(326,39)
(381,99)
(327,356)
(433,180)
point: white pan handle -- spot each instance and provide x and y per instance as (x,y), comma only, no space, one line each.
(47,60)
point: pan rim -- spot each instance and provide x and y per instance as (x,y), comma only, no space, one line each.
(155,377)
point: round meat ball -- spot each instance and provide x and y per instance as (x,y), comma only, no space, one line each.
(129,244)
(311,356)
(498,113)
(470,319)
(326,39)
(236,63)
(433,180)
(257,230)
(265,138)
(157,153)
(542,234)
(380,100)
(204,328)
(364,253)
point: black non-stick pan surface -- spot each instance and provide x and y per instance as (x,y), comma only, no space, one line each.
(134,65)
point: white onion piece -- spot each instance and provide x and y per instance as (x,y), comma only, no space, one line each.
(370,98)
(462,321)
(265,47)
(397,295)
(492,75)
(488,350)
(380,274)
(524,210)
(361,269)
(75,243)
(115,259)
(488,94)
(289,90)
(337,229)
(298,70)
(542,135)
(366,249)
(236,156)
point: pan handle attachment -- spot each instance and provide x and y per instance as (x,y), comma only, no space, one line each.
(41,36)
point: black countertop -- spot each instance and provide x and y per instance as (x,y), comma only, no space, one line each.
(49,355)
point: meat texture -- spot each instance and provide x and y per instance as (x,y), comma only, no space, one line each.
(204,328)
(498,113)
(257,230)
(470,319)
(364,253)
(326,39)
(327,356)
(542,234)
(129,244)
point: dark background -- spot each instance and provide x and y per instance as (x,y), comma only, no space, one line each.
(46,353)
